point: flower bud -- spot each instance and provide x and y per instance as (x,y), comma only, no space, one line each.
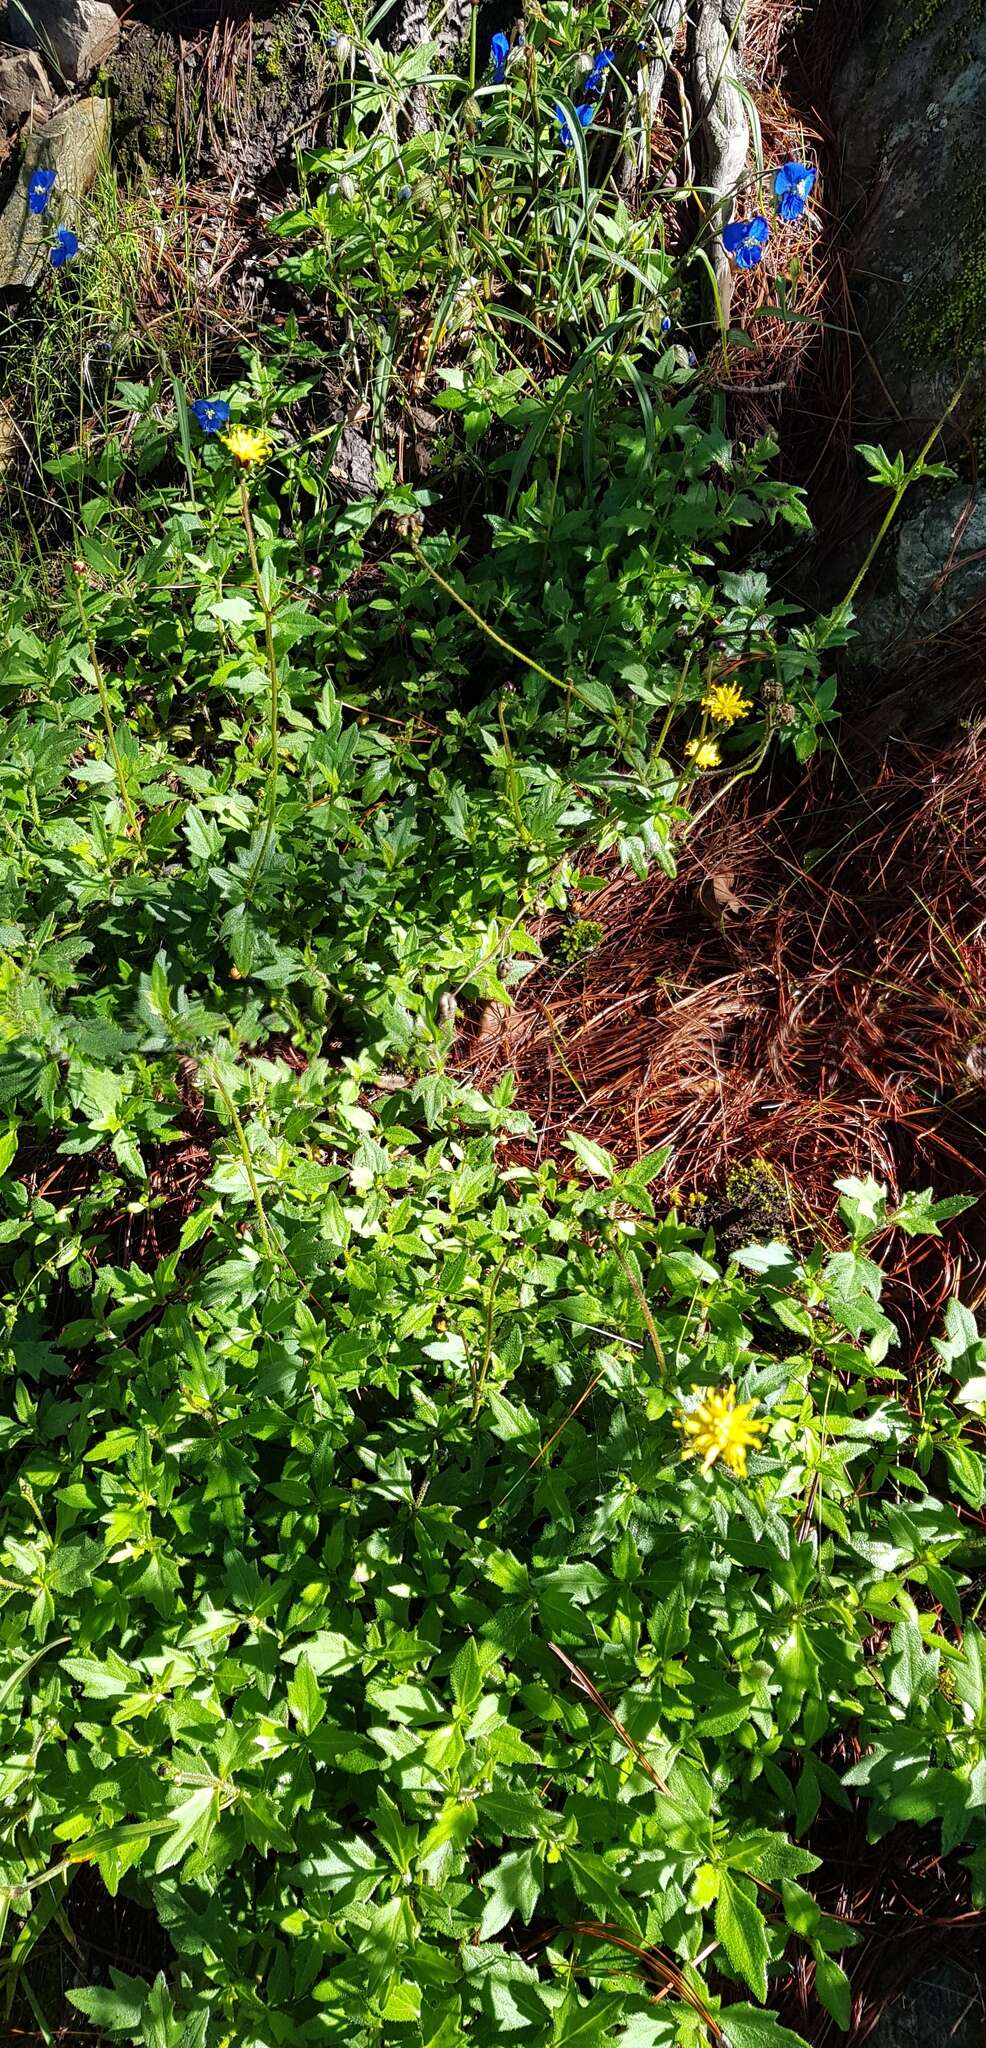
(345,51)
(471,115)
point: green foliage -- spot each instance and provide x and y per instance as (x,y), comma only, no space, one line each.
(578,939)
(360,1618)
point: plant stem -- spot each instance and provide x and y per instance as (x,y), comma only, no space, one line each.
(510,773)
(507,645)
(911,477)
(270,802)
(479,1383)
(245,1154)
(100,682)
(642,1302)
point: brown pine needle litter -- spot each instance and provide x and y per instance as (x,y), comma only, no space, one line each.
(810,991)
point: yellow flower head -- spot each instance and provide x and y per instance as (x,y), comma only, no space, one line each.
(247,445)
(704,753)
(718,1428)
(726,704)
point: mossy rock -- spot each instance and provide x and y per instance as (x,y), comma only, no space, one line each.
(752,1208)
(912,105)
(144,87)
(280,88)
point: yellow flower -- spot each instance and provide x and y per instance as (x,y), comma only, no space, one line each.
(718,1428)
(725,703)
(247,445)
(704,753)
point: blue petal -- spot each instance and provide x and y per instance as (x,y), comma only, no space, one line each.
(790,206)
(597,76)
(499,52)
(39,187)
(66,245)
(794,178)
(211,413)
(746,240)
(583,114)
(734,236)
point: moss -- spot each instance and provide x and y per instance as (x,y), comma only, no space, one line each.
(913,18)
(948,321)
(579,939)
(268,60)
(753,1208)
(145,95)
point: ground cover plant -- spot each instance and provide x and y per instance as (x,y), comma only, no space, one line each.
(439,1594)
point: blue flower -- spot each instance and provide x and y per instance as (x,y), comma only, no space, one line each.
(404,192)
(66,245)
(597,76)
(666,324)
(39,187)
(583,115)
(792,184)
(499,52)
(746,240)
(211,413)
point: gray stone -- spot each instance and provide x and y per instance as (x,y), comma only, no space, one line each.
(936,575)
(932,539)
(910,101)
(24,86)
(945,2009)
(73,144)
(74,36)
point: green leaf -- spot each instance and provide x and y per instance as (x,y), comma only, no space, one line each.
(116,2011)
(467,1678)
(304,1696)
(514,1887)
(741,1928)
(192,1824)
(745,2027)
(833,1989)
(593,1157)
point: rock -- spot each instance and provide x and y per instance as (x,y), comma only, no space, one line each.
(937,535)
(73,143)
(148,109)
(170,112)
(910,100)
(24,86)
(74,36)
(936,574)
(352,464)
(942,2010)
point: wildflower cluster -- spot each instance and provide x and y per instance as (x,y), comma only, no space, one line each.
(40,186)
(746,240)
(248,446)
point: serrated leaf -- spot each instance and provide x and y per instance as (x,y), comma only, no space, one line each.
(740,1927)
(513,1887)
(192,1824)
(304,1696)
